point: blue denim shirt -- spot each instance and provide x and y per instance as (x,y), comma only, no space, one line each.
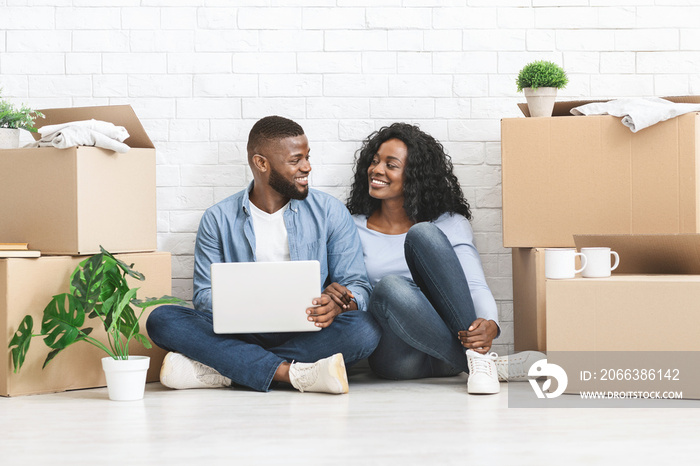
(319,228)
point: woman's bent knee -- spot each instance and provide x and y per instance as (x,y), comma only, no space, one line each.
(424,232)
(389,290)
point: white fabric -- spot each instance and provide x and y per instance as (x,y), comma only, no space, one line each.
(271,240)
(84,133)
(637,114)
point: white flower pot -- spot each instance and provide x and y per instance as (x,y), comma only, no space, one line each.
(9,138)
(540,101)
(126,378)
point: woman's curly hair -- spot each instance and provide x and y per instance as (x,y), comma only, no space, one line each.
(430,187)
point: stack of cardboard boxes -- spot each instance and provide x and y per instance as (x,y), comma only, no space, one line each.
(66,203)
(574,175)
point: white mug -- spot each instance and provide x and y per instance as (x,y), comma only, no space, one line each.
(561,262)
(598,262)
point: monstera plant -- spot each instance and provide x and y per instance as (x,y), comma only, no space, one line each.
(99,294)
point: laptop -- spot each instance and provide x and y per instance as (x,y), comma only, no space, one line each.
(264,297)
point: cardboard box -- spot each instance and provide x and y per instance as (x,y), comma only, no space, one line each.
(529,299)
(569,175)
(594,323)
(529,303)
(26,287)
(610,317)
(71,201)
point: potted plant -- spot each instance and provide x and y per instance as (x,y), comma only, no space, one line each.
(539,81)
(12,119)
(98,290)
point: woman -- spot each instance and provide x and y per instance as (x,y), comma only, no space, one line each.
(430,295)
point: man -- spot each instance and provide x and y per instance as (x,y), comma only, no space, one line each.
(276,218)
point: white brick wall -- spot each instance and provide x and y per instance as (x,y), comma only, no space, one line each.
(199,73)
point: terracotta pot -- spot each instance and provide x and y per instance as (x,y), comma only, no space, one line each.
(540,101)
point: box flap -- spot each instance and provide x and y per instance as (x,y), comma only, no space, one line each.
(684,99)
(564,108)
(650,254)
(120,115)
(560,108)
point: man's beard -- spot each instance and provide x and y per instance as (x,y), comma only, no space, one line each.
(285,187)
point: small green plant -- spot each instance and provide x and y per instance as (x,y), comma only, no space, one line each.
(541,74)
(13,117)
(98,290)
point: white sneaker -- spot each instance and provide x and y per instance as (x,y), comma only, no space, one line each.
(483,377)
(180,372)
(325,375)
(514,367)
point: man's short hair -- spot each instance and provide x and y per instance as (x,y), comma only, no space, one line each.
(271,128)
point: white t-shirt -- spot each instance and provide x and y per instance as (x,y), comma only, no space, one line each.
(271,241)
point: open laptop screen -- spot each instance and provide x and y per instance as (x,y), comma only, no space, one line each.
(264,297)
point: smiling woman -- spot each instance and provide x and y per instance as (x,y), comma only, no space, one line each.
(430,295)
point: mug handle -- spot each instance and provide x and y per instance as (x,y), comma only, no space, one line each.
(583,262)
(617,260)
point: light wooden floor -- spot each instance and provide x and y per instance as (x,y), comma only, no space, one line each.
(431,422)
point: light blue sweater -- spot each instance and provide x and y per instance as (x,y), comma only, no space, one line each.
(384,256)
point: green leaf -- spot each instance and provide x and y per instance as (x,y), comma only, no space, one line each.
(106,310)
(62,320)
(128,269)
(116,314)
(148,302)
(19,345)
(86,284)
(128,321)
(143,340)
(50,356)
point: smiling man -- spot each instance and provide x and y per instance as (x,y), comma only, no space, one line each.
(277,218)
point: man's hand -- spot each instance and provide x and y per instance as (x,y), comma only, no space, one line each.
(325,311)
(479,336)
(341,295)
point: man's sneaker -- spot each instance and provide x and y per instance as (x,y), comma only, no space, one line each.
(514,367)
(483,378)
(324,376)
(181,372)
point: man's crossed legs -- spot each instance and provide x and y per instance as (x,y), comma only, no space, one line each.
(318,359)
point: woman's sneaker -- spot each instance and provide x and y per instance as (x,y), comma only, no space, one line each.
(514,367)
(180,372)
(325,375)
(483,378)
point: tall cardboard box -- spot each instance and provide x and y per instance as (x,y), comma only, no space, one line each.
(602,322)
(569,175)
(71,201)
(529,303)
(26,287)
(529,299)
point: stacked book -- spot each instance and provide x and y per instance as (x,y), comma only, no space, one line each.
(17,250)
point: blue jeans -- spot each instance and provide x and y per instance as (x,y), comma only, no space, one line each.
(252,359)
(420,318)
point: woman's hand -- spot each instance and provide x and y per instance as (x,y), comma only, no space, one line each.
(341,296)
(479,336)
